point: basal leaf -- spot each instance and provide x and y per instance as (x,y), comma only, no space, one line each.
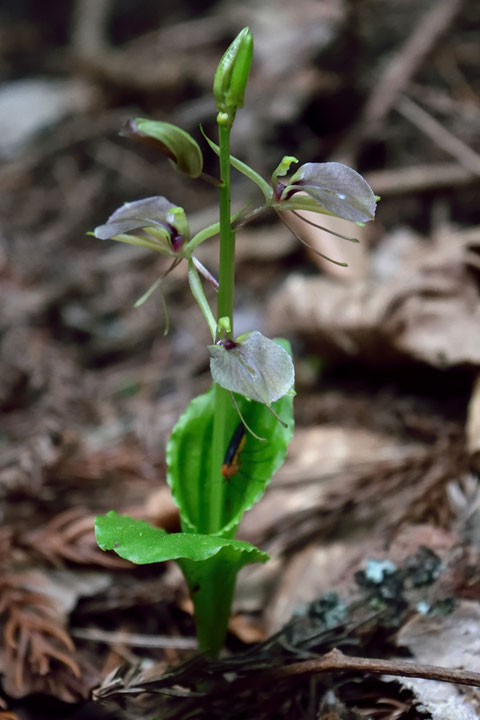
(142,544)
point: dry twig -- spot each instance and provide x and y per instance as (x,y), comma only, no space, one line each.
(134,639)
(418,178)
(399,71)
(336,661)
(438,134)
(408,59)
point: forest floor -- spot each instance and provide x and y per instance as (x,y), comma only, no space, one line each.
(373,523)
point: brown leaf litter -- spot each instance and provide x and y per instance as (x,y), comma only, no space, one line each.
(428,311)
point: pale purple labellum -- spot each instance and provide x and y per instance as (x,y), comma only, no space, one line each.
(150,212)
(338,189)
(256,367)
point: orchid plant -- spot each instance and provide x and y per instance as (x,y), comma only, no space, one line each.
(230,441)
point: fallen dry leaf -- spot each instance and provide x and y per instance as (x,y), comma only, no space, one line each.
(449,641)
(430,313)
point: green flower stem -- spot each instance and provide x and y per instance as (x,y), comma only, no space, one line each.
(213,597)
(245,170)
(216,488)
(227,236)
(211,584)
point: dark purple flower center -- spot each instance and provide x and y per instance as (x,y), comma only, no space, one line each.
(177,241)
(227,343)
(278,191)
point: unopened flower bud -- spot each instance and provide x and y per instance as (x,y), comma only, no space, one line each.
(232,74)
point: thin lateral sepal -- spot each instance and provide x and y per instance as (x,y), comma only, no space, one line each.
(153,287)
(166,329)
(321,227)
(277,416)
(157,283)
(244,422)
(145,296)
(304,242)
(143,299)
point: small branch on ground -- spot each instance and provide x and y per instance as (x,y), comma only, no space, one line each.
(398,72)
(336,661)
(438,134)
(420,178)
